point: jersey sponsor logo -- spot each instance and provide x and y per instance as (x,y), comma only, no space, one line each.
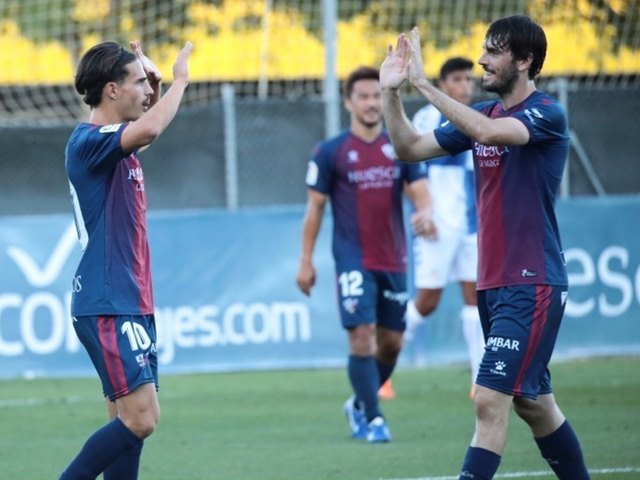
(352,156)
(136,175)
(312,173)
(388,151)
(489,156)
(110,128)
(528,273)
(496,343)
(375,177)
(499,368)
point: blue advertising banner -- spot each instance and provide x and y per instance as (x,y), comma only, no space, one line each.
(226,297)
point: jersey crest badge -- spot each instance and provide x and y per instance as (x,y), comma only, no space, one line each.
(388,151)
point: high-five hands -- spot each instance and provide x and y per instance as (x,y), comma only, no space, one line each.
(405,62)
(416,66)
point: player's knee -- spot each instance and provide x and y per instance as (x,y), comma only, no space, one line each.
(530,411)
(388,352)
(426,306)
(144,426)
(489,410)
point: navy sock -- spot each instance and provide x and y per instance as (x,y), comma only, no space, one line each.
(479,464)
(562,452)
(365,380)
(100,450)
(126,466)
(385,370)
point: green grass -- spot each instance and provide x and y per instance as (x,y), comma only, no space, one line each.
(289,425)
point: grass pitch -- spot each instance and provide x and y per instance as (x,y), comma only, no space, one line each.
(289,425)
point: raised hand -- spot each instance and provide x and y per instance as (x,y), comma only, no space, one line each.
(181,65)
(416,65)
(153,73)
(394,70)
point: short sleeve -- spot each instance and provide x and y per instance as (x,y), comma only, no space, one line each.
(545,119)
(100,146)
(319,169)
(414,171)
(451,139)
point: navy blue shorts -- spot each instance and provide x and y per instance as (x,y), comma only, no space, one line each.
(366,296)
(520,325)
(123,350)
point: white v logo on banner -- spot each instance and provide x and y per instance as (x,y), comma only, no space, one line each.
(41,277)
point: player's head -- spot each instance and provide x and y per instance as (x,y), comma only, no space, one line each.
(108,72)
(518,39)
(456,79)
(363,96)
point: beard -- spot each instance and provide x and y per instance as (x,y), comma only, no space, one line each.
(369,123)
(504,85)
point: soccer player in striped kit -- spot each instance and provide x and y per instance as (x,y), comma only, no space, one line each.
(112,303)
(520,145)
(361,175)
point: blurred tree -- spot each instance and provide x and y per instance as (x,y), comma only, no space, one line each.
(624,15)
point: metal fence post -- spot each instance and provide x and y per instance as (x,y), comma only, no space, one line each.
(330,82)
(230,145)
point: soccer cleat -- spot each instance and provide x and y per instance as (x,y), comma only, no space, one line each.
(378,431)
(386,391)
(356,418)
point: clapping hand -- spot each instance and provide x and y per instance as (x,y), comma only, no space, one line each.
(394,70)
(404,62)
(153,73)
(416,66)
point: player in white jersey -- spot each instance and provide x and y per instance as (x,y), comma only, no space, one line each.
(449,253)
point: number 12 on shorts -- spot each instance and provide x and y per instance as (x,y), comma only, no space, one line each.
(350,284)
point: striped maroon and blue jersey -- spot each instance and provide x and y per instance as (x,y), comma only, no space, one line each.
(516,186)
(364,181)
(107,185)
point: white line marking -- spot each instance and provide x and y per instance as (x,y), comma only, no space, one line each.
(36,402)
(599,471)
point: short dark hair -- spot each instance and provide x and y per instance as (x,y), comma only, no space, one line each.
(360,73)
(102,63)
(522,37)
(455,64)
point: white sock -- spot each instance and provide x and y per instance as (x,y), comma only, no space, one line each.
(413,318)
(472,330)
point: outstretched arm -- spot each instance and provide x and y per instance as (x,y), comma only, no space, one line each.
(407,142)
(150,125)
